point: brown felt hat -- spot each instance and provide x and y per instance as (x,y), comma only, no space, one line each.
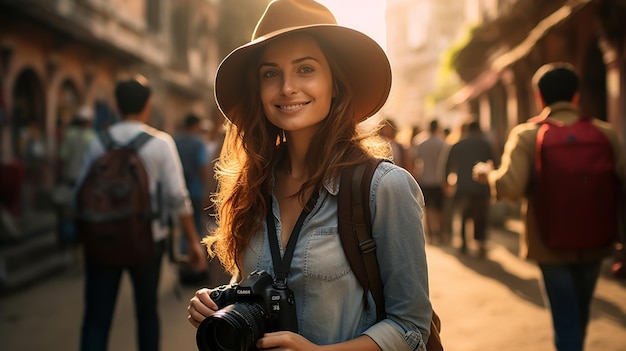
(360,57)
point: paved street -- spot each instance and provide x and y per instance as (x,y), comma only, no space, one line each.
(487,305)
(496,304)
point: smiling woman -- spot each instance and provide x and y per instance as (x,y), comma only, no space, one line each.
(367,16)
(293,97)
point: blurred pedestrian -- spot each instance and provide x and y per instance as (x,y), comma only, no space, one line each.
(167,188)
(214,141)
(429,156)
(569,273)
(399,153)
(195,161)
(75,141)
(471,199)
(33,153)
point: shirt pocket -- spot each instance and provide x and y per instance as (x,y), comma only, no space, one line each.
(324,257)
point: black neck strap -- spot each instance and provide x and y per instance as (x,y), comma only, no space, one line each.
(282,265)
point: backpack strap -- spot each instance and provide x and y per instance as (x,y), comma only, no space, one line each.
(541,133)
(355,229)
(106,139)
(138,141)
(135,144)
(360,248)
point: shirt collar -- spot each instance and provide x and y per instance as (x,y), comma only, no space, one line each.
(558,108)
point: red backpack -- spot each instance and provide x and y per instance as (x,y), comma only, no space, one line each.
(114,206)
(575,185)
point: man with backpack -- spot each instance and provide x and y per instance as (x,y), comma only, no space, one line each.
(570,169)
(131,181)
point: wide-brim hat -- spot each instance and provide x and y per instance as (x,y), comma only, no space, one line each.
(364,62)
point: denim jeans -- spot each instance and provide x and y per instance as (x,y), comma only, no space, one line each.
(101,289)
(569,288)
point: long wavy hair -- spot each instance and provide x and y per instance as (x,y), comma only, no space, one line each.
(252,145)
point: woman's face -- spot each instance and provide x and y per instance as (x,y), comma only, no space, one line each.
(296,83)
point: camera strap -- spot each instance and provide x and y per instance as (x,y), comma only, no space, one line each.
(282,265)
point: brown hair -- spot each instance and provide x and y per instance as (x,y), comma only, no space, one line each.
(253,145)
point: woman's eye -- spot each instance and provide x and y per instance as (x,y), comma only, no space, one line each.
(306,69)
(269,74)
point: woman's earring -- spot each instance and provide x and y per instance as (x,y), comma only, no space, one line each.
(284,137)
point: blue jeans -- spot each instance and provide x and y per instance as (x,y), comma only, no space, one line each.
(101,289)
(569,288)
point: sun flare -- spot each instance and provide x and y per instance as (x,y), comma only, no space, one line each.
(367,16)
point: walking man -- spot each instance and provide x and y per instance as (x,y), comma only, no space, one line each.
(195,160)
(165,178)
(569,254)
(471,198)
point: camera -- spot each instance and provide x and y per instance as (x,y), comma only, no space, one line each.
(248,310)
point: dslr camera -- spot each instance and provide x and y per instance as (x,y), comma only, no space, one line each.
(248,310)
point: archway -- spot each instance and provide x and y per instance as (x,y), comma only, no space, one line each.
(28,137)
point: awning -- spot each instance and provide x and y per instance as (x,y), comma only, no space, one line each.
(490,76)
(483,82)
(540,30)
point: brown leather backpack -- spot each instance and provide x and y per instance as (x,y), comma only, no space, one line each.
(354,217)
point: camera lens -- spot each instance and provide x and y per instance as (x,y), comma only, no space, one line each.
(235,327)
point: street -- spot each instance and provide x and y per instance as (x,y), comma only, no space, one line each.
(488,304)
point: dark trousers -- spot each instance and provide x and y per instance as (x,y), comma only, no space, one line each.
(476,208)
(101,289)
(569,288)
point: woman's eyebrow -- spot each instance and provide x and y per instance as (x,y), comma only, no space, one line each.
(294,62)
(304,59)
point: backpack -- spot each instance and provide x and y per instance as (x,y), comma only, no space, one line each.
(114,204)
(360,249)
(574,185)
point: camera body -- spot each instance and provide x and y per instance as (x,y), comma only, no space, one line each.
(247,310)
(279,302)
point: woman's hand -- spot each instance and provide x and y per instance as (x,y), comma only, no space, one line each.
(289,341)
(200,307)
(285,341)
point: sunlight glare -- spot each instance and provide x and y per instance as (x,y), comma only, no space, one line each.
(367,16)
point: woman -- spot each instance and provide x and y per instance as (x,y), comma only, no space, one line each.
(294,96)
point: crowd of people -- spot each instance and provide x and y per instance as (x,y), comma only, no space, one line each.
(442,160)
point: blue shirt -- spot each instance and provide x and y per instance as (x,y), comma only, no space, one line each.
(194,156)
(330,303)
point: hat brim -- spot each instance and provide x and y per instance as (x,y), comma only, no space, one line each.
(365,63)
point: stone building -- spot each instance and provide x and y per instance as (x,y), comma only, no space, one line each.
(499,61)
(59,55)
(419,33)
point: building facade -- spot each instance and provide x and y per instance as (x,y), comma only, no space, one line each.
(498,63)
(59,55)
(419,32)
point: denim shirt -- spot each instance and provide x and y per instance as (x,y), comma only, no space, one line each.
(330,302)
